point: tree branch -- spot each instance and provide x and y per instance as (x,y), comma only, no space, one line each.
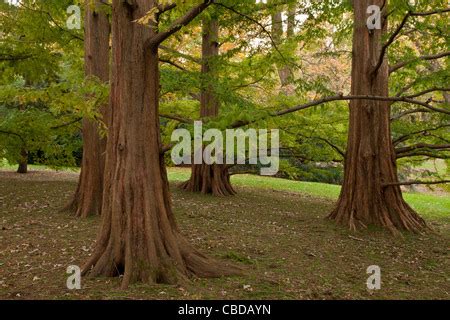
(402,64)
(166,7)
(176,118)
(172,64)
(409,183)
(269,34)
(361,97)
(241,123)
(156,40)
(405,113)
(435,89)
(425,146)
(13,134)
(182,55)
(66,124)
(406,136)
(397,32)
(332,145)
(8,57)
(421,153)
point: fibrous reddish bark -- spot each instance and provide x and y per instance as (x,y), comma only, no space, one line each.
(88,196)
(209,179)
(139,237)
(370,158)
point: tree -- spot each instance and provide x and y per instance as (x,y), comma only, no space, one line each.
(88,195)
(139,237)
(284,70)
(37,96)
(209,179)
(368,196)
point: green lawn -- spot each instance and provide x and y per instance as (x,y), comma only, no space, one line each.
(279,238)
(425,204)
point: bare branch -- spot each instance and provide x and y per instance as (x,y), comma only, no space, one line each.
(427,91)
(421,153)
(425,146)
(409,183)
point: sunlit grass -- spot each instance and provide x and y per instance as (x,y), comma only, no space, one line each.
(425,204)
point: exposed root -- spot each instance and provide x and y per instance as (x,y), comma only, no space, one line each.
(84,204)
(394,216)
(165,270)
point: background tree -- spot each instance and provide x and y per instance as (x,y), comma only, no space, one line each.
(366,197)
(209,179)
(88,196)
(40,99)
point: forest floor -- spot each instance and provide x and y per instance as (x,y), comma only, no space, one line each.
(280,238)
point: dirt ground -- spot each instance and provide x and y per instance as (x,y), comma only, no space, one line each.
(288,249)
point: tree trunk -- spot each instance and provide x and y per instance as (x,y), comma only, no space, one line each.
(370,159)
(209,179)
(284,72)
(23,161)
(87,200)
(139,237)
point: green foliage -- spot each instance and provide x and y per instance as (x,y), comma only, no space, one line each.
(42,85)
(43,93)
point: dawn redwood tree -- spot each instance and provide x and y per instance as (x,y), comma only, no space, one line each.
(369,193)
(209,179)
(88,196)
(139,237)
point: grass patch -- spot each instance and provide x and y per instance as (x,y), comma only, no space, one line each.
(433,206)
(279,237)
(234,256)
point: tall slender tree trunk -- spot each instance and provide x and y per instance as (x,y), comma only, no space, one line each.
(23,161)
(139,237)
(370,160)
(88,196)
(284,72)
(209,179)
